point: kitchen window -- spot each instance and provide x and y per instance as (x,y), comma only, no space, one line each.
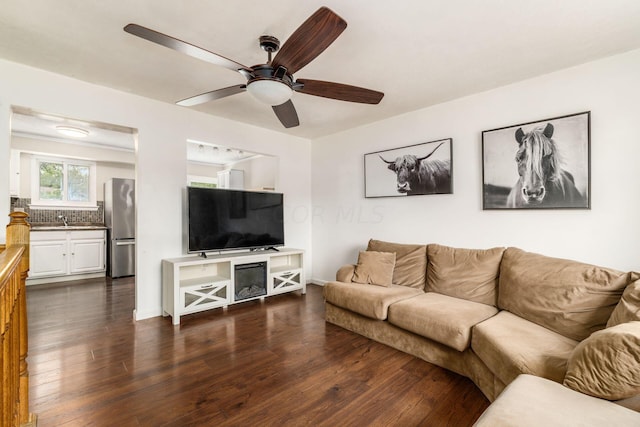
(59,182)
(202,181)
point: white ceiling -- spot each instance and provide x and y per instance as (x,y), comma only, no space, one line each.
(29,123)
(418,52)
(33,124)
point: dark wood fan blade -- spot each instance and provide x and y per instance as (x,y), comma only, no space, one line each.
(184,47)
(309,40)
(211,96)
(287,114)
(339,91)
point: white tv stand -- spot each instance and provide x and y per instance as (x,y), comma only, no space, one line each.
(192,284)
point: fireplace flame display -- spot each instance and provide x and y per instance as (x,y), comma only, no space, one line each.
(250,280)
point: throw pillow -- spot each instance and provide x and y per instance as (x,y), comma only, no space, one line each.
(375,268)
(628,309)
(605,365)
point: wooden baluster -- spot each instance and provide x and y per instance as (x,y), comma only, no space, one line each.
(5,354)
(9,334)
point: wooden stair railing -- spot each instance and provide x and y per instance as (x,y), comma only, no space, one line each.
(14,377)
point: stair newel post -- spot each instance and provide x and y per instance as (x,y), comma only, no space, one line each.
(18,231)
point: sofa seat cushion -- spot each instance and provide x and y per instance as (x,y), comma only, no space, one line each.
(569,297)
(367,300)
(471,274)
(442,318)
(510,345)
(531,401)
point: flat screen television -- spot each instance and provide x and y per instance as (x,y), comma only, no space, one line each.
(221,219)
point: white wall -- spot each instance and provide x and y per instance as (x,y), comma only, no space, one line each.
(608,234)
(200,169)
(259,173)
(77,151)
(106,171)
(161,166)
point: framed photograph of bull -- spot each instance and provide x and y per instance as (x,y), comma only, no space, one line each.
(409,171)
(538,165)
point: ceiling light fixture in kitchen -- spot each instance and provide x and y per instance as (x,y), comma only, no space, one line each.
(72,131)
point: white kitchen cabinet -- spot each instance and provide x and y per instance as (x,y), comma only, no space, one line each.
(232,179)
(48,257)
(87,255)
(64,254)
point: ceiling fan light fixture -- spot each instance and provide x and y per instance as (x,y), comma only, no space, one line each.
(270,92)
(272,83)
(72,131)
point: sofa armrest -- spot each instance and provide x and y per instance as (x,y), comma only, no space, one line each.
(534,401)
(345,273)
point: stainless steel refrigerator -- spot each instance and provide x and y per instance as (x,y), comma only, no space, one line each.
(119,217)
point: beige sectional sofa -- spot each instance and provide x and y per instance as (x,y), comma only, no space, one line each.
(493,315)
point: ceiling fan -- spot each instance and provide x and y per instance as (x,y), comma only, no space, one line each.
(273,82)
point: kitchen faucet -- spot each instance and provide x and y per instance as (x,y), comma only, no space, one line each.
(64,220)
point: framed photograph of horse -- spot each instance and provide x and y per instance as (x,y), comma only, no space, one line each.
(538,165)
(409,171)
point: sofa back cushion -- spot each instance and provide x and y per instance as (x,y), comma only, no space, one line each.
(568,297)
(470,274)
(411,262)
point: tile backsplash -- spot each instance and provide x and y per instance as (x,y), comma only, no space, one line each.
(74,216)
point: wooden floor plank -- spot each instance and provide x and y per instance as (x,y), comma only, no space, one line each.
(275,362)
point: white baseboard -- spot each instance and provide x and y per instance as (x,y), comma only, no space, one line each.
(47,280)
(142,315)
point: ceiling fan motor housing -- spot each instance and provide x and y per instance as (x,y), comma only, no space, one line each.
(267,72)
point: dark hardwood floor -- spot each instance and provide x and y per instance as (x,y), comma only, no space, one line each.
(270,364)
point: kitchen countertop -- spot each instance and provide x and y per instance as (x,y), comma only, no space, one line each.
(70,227)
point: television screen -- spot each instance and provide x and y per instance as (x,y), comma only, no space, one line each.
(221,219)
